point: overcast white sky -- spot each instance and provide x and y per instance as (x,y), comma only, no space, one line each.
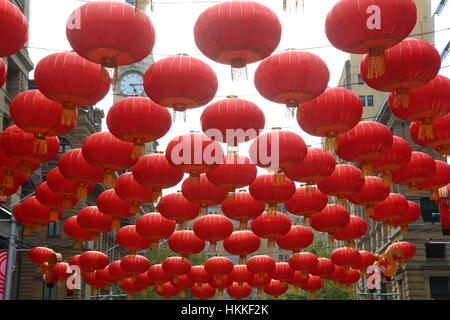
(174,21)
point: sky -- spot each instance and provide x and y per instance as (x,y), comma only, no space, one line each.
(174,23)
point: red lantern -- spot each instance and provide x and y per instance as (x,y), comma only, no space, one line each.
(334,112)
(261,265)
(398,155)
(240,274)
(128,238)
(167,290)
(15,27)
(104,276)
(441,141)
(344,181)
(203,291)
(93,220)
(439,179)
(60,270)
(239,291)
(59,75)
(9,167)
(213,228)
(75,168)
(40,255)
(242,207)
(367,259)
(181,83)
(276,288)
(330,220)
(323,268)
(104,151)
(242,243)
(18,145)
(50,199)
(420,168)
(33,210)
(259,283)
(373,191)
(282,272)
(135,264)
(336,275)
(111,205)
(364,143)
(280,77)
(298,238)
(265,189)
(3,73)
(355,229)
(204,193)
(347,258)
(218,267)
(32,112)
(413,213)
(183,283)
(103,41)
(116,271)
(128,189)
(237,33)
(175,267)
(129,286)
(144,281)
(199,276)
(306,202)
(409,65)
(220,284)
(361,27)
(24,219)
(304,262)
(408,250)
(153,226)
(271,227)
(351,278)
(73,230)
(93,260)
(157,273)
(17,179)
(296,280)
(391,209)
(186,243)
(176,207)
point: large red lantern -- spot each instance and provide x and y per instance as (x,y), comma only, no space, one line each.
(73,230)
(59,75)
(153,226)
(32,112)
(203,291)
(344,181)
(297,279)
(409,65)
(129,238)
(271,227)
(167,290)
(298,238)
(176,207)
(104,151)
(237,33)
(144,281)
(390,210)
(186,243)
(213,228)
(259,283)
(370,27)
(105,33)
(282,272)
(323,268)
(218,267)
(336,275)
(398,155)
(373,191)
(199,276)
(280,78)
(40,255)
(367,141)
(135,264)
(276,288)
(351,278)
(39,214)
(75,168)
(304,262)
(181,83)
(330,219)
(138,120)
(15,26)
(93,220)
(24,219)
(240,274)
(355,229)
(261,265)
(176,266)
(93,260)
(184,283)
(104,276)
(130,287)
(111,205)
(243,208)
(413,213)
(420,168)
(346,257)
(439,179)
(238,291)
(242,243)
(116,271)
(306,202)
(334,112)
(408,250)
(52,200)
(157,273)
(367,259)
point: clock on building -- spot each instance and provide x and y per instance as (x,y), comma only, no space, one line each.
(131,83)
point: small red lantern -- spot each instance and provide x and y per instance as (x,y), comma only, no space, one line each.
(276,288)
(203,291)
(242,243)
(220,284)
(199,276)
(104,276)
(73,230)
(330,220)
(304,262)
(243,208)
(93,260)
(186,243)
(111,205)
(367,259)
(408,250)
(176,267)
(306,202)
(412,215)
(157,273)
(39,214)
(440,178)
(337,274)
(176,207)
(129,238)
(213,228)
(259,283)
(351,278)
(135,264)
(183,283)
(167,290)
(239,291)
(355,229)
(390,210)
(15,26)
(347,258)
(261,265)
(24,219)
(116,271)
(218,267)
(93,220)
(271,227)
(298,238)
(323,268)
(297,279)
(128,189)
(52,200)
(9,167)
(373,191)
(240,274)
(282,272)
(40,255)
(130,287)
(154,227)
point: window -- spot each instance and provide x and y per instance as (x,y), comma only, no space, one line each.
(64,145)
(54,229)
(430,210)
(360,79)
(435,250)
(363,100)
(439,288)
(49,292)
(370,101)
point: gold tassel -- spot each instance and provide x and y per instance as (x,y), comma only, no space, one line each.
(27,230)
(54,215)
(242,259)
(337,284)
(370,210)
(69,115)
(135,207)
(312,295)
(272,211)
(401,98)
(39,143)
(179,226)
(175,279)
(109,179)
(94,291)
(426,129)
(144,292)
(95,236)
(82,191)
(67,202)
(367,169)
(194,178)
(434,195)
(296,289)
(115,224)
(243,225)
(279,178)
(404,229)
(376,64)
(349,288)
(351,244)
(413,189)
(331,142)
(182,293)
(212,246)
(387,178)
(8,180)
(25,168)
(155,244)
(341,201)
(129,296)
(77,245)
(259,292)
(308,220)
(271,243)
(219,279)
(220,293)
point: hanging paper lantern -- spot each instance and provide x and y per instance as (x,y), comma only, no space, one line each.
(317,165)
(243,208)
(220,284)
(344,181)
(73,230)
(18,181)
(408,250)
(420,168)
(373,191)
(175,267)
(199,276)
(439,179)
(370,27)
(75,261)
(280,78)
(184,283)
(153,226)
(352,277)
(204,193)
(9,167)
(32,112)
(398,155)
(259,283)
(181,83)
(157,273)
(186,243)
(271,227)
(135,264)
(330,220)
(242,243)
(25,219)
(238,291)
(336,275)
(167,290)
(367,141)
(390,210)
(367,259)
(347,258)
(50,199)
(39,214)
(194,154)
(413,214)
(334,112)
(60,270)
(282,272)
(40,255)
(306,202)
(128,189)
(144,282)
(355,229)
(15,26)
(93,260)
(130,287)
(176,207)
(59,77)
(104,276)
(323,268)
(3,73)
(304,262)
(203,291)
(265,189)
(441,141)
(105,33)
(111,205)
(18,145)
(409,65)
(298,238)
(276,288)
(312,285)
(75,168)
(213,228)
(218,267)
(138,120)
(261,266)
(240,274)
(93,220)
(104,151)
(129,238)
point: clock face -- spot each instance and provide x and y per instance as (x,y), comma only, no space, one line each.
(132,84)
